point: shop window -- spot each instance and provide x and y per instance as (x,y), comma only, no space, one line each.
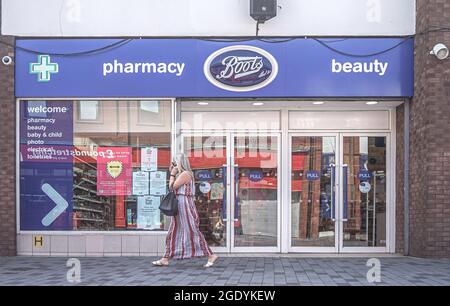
(88,110)
(81,173)
(150,113)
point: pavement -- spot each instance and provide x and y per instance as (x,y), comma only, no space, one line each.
(228,271)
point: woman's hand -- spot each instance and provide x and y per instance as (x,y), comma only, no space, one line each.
(174,171)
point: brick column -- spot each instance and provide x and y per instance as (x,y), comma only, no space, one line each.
(7,152)
(430,137)
(399,181)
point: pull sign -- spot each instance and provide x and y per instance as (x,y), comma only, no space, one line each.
(364,175)
(313,175)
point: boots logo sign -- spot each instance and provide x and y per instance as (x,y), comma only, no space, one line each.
(240,68)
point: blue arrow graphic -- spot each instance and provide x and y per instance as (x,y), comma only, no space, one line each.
(61,204)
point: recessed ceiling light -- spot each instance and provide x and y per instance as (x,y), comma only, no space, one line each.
(258,103)
(372,103)
(202,103)
(318,102)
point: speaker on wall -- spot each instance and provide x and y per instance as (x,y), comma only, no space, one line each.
(263,10)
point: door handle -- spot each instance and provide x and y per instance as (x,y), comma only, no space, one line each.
(236,184)
(345,192)
(225,183)
(333,191)
(224,198)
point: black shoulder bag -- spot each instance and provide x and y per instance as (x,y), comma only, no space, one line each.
(169,204)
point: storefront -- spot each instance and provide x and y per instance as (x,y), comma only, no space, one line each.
(292,142)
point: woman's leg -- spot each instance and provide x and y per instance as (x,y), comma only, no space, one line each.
(207,251)
(168,253)
(164,261)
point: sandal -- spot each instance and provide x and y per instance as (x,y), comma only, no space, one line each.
(210,263)
(159,263)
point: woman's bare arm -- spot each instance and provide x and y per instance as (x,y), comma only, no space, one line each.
(182,179)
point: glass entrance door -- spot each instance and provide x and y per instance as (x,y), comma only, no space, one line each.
(208,157)
(338,193)
(237,189)
(364,193)
(313,193)
(255,208)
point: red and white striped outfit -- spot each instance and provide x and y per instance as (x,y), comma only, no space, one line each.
(184,239)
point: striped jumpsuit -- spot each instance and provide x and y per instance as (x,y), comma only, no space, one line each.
(184,239)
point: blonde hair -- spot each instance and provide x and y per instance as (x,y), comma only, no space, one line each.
(183,164)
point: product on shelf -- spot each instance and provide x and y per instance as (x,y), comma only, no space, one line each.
(91,212)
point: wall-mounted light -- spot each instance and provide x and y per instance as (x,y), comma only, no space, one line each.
(440,51)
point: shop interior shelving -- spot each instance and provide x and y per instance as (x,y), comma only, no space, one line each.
(91,212)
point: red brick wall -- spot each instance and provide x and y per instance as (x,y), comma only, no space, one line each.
(399,186)
(7,153)
(430,137)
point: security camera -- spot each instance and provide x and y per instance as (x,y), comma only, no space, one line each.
(7,60)
(440,51)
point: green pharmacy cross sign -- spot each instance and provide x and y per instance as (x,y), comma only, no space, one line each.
(43,68)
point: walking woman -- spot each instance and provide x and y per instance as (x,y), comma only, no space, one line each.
(184,239)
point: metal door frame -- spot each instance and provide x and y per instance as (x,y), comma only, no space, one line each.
(275,249)
(314,249)
(231,186)
(389,191)
(339,208)
(226,248)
